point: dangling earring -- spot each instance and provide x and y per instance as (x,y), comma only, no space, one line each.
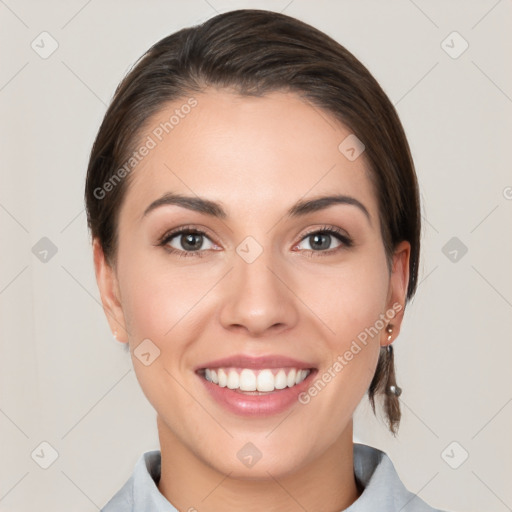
(115,335)
(391,385)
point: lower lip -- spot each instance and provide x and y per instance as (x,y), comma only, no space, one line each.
(266,404)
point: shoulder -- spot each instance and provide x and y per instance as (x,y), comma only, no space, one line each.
(140,493)
(382,487)
(122,500)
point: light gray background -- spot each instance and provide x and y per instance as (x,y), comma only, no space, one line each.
(64,379)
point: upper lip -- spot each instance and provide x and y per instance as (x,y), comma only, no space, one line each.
(259,362)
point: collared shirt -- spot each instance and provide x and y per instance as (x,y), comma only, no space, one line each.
(373,469)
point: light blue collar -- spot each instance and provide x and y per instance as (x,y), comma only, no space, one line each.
(383,489)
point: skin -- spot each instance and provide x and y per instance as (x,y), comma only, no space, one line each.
(256,157)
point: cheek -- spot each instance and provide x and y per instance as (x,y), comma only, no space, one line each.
(160,303)
(350,298)
(351,302)
(156,295)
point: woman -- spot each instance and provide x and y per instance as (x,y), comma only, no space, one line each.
(254,213)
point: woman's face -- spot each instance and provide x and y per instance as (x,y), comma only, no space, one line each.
(264,286)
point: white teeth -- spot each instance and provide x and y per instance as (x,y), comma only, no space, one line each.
(247,380)
(223,378)
(266,381)
(250,380)
(280,380)
(233,380)
(291,378)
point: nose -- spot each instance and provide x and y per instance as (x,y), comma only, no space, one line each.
(258,297)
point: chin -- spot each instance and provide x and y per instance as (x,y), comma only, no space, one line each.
(260,459)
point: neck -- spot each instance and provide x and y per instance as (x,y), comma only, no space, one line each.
(325,484)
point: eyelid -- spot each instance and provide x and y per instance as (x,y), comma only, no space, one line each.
(201,230)
(326,228)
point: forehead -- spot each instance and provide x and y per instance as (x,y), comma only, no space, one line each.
(256,154)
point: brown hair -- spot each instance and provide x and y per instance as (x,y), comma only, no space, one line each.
(254,52)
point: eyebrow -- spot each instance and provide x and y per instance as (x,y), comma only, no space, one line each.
(208,207)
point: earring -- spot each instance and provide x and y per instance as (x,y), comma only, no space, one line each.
(115,335)
(397,391)
(392,386)
(389,330)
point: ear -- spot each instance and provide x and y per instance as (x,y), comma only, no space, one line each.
(397,294)
(109,292)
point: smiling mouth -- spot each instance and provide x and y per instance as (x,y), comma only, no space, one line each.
(256,382)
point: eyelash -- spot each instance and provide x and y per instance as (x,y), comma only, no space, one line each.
(337,233)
